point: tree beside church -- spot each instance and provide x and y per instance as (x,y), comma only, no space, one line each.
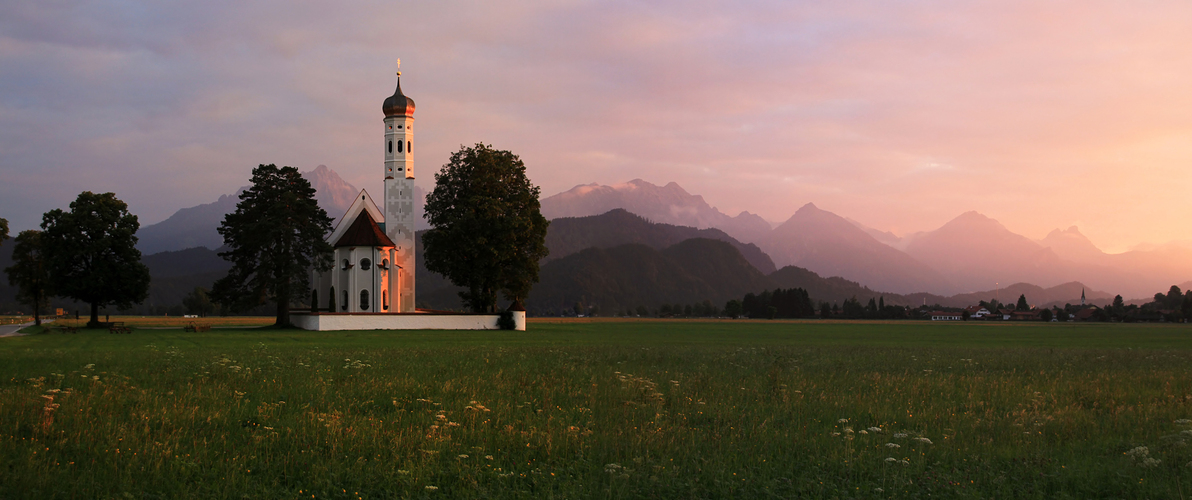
(91,255)
(274,239)
(487,233)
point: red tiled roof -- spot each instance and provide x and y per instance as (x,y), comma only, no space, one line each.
(364,232)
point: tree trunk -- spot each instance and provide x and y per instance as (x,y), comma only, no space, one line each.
(94,322)
(283,312)
(36,310)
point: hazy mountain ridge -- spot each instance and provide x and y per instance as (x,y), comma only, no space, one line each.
(830,245)
(196,226)
(632,275)
(569,235)
(670,204)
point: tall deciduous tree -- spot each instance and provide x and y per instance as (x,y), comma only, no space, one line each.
(274,239)
(28,272)
(91,253)
(487,233)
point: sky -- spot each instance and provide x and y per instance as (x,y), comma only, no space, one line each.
(901,115)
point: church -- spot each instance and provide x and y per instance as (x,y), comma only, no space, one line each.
(371,285)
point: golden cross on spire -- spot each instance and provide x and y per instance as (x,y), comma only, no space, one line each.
(399,66)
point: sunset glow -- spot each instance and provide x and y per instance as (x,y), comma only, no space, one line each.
(899,115)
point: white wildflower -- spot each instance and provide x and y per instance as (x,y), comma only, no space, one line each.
(891,460)
(432,488)
(923,440)
(900,435)
(842,421)
(892,445)
(874,429)
(862,431)
(1138,453)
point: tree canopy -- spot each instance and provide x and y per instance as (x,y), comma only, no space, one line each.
(3,230)
(487,233)
(91,255)
(274,239)
(1022,305)
(28,272)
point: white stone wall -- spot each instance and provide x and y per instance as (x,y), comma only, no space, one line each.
(412,321)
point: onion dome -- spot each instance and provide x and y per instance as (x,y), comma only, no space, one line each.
(398,104)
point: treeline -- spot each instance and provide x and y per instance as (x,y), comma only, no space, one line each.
(797,303)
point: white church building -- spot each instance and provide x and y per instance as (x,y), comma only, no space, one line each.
(372,283)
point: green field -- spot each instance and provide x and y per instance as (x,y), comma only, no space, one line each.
(603,409)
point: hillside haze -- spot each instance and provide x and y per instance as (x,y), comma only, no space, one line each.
(830,245)
(670,204)
(196,226)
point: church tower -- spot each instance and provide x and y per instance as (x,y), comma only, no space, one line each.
(399,194)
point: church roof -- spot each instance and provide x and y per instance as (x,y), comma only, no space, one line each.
(398,104)
(364,232)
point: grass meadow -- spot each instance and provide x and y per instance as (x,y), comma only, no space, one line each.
(603,409)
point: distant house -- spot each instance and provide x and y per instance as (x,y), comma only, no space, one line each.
(945,316)
(977,312)
(1086,314)
(1026,315)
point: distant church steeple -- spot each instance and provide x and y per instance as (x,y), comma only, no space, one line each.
(1082,297)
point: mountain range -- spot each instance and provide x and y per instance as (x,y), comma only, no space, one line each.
(196,226)
(669,204)
(970,252)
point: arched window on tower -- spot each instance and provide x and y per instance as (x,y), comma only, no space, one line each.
(390,147)
(398,146)
(409,147)
(364,300)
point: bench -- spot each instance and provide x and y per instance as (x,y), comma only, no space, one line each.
(118,327)
(194,327)
(67,329)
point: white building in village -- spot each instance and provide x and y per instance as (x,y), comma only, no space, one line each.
(373,279)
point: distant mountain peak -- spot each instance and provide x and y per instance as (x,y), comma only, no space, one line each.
(196,226)
(808,208)
(670,204)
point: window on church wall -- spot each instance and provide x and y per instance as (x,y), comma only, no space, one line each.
(364,300)
(344,306)
(385,300)
(347,265)
(314,300)
(365,264)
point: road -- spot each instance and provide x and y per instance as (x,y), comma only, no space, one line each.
(11,330)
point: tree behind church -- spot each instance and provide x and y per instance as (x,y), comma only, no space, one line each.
(91,254)
(487,233)
(274,238)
